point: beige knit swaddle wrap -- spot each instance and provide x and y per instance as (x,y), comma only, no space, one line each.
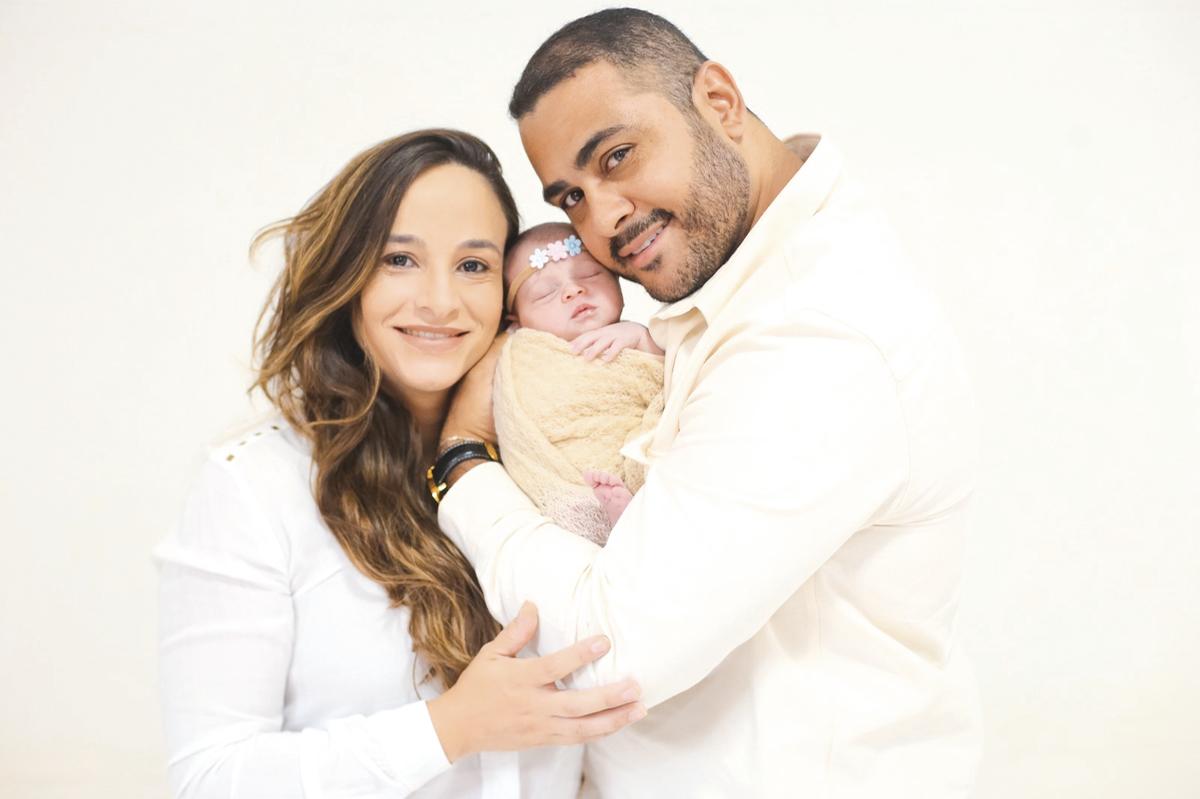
(558,414)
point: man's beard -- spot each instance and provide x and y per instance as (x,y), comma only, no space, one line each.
(715,217)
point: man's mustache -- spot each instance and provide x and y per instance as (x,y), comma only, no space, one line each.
(635,229)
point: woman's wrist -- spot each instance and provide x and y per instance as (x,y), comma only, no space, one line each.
(449,726)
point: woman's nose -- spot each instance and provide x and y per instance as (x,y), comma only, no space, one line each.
(437,300)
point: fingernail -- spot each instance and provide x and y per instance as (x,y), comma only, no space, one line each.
(631,693)
(600,646)
(637,714)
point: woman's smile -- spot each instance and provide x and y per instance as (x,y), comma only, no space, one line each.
(432,339)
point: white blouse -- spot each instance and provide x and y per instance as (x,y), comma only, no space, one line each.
(285,672)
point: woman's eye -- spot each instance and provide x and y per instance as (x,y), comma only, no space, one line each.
(570,198)
(617,157)
(474,267)
(398,260)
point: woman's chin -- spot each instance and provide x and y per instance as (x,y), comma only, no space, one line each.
(430,375)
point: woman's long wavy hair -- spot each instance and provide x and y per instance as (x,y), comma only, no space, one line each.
(367,453)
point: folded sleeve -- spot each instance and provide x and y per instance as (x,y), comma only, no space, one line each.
(786,447)
(226,633)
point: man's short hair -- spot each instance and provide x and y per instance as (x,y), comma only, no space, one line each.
(651,52)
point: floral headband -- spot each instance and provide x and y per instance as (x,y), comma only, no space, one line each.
(559,250)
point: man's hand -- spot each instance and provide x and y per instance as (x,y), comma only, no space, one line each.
(608,341)
(470,413)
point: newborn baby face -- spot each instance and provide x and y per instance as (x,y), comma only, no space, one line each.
(567,297)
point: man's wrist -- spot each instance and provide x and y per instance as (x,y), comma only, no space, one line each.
(456,456)
(461,469)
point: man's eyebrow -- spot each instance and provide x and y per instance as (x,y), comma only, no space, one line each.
(581,158)
(585,152)
(553,190)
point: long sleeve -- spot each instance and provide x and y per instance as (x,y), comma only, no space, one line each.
(788,444)
(227,632)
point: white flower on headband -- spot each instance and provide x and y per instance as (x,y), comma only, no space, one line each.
(556,251)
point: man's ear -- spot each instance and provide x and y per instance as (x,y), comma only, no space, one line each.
(719,100)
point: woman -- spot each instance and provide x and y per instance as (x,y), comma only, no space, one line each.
(312,612)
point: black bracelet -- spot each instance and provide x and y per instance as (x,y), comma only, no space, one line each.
(452,457)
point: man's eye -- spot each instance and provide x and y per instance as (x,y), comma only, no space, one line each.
(570,198)
(616,157)
(398,260)
(474,267)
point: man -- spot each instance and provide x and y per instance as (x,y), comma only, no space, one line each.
(785,584)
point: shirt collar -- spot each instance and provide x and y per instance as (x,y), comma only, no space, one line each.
(802,197)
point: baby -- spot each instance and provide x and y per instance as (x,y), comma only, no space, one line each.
(573,383)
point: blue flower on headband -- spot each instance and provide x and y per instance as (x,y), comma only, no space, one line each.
(574,245)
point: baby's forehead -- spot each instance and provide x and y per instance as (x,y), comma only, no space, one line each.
(519,255)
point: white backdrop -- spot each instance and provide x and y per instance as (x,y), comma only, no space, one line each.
(1039,159)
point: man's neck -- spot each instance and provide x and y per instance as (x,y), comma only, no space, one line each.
(777,162)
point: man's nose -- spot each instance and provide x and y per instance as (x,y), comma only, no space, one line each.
(611,210)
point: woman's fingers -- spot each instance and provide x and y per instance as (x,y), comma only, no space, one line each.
(590,701)
(519,632)
(598,725)
(553,667)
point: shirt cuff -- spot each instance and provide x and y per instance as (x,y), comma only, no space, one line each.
(412,753)
(479,499)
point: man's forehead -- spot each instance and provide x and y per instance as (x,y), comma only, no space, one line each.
(595,99)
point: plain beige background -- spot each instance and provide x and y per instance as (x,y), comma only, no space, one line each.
(1039,159)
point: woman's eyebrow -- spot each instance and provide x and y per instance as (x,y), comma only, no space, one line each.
(469,244)
(479,244)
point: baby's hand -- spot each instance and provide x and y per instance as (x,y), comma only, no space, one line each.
(608,341)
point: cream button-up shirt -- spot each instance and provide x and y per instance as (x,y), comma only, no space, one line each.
(785,584)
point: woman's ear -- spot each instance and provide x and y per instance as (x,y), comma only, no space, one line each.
(719,100)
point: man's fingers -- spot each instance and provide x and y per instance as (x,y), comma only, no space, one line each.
(598,725)
(577,704)
(555,666)
(519,632)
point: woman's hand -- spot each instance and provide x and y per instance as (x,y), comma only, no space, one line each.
(470,412)
(502,702)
